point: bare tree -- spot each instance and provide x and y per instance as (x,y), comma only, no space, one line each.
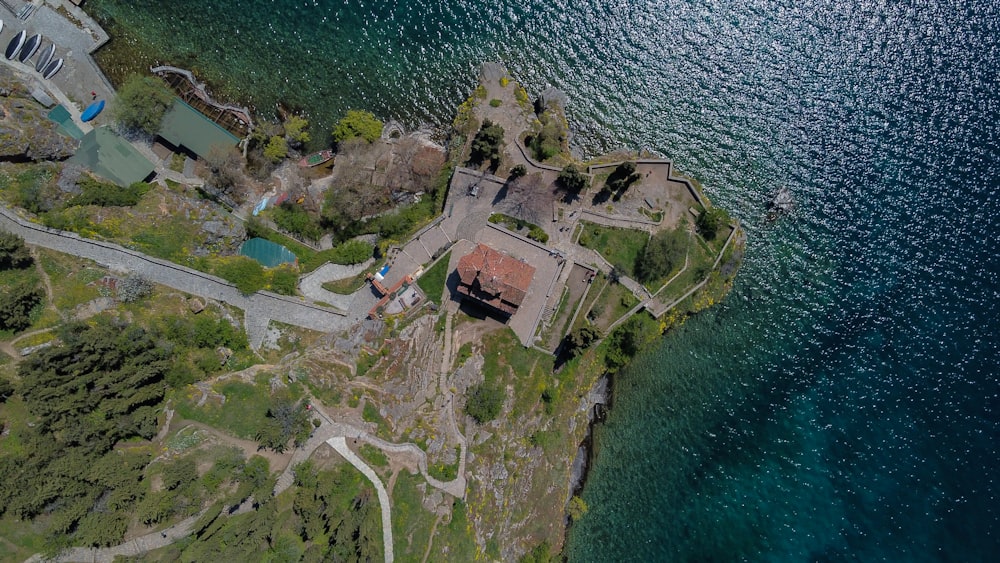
(528,198)
(225,173)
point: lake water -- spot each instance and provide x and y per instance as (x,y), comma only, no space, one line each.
(842,403)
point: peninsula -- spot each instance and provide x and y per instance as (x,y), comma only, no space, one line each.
(402,362)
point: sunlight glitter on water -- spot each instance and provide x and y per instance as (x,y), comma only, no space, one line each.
(842,403)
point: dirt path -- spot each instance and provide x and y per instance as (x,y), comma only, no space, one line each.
(276,461)
(430,542)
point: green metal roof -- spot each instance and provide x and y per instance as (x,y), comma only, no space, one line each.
(268,253)
(184,126)
(64,120)
(112,157)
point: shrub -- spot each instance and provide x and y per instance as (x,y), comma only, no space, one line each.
(548,141)
(13,253)
(486,145)
(104,194)
(294,219)
(245,273)
(536,233)
(295,130)
(517,172)
(284,280)
(16,304)
(496,103)
(484,402)
(352,252)
(276,149)
(576,509)
(358,124)
(133,288)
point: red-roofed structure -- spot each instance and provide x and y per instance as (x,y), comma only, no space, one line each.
(494,279)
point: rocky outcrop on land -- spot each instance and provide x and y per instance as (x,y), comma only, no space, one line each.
(25,132)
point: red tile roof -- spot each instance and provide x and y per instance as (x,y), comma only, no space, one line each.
(494,278)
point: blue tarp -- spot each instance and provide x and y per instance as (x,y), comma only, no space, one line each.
(269,254)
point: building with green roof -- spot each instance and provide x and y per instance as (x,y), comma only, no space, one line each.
(111,157)
(187,128)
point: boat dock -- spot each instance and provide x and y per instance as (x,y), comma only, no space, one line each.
(234,119)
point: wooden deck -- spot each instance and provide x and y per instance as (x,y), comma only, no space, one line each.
(232,118)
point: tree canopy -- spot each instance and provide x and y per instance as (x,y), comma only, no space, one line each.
(710,221)
(102,385)
(664,252)
(17,301)
(295,130)
(13,253)
(484,402)
(572,179)
(358,123)
(286,419)
(142,102)
(487,143)
(276,149)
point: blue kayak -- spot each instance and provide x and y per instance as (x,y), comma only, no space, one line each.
(92,111)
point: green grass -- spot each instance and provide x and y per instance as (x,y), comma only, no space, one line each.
(244,411)
(464,353)
(445,471)
(329,396)
(514,224)
(348,286)
(411,523)
(365,363)
(432,282)
(532,370)
(370,414)
(620,247)
(20,540)
(611,305)
(177,162)
(456,535)
(374,456)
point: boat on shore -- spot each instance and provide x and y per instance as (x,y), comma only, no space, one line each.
(316,158)
(15,45)
(52,68)
(45,57)
(92,111)
(30,47)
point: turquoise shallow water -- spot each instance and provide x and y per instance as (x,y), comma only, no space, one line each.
(842,403)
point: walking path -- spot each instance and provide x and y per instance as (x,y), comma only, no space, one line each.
(259,307)
(311,284)
(339,443)
(132,548)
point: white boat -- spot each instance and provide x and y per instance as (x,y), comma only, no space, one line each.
(30,46)
(52,68)
(45,57)
(15,45)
